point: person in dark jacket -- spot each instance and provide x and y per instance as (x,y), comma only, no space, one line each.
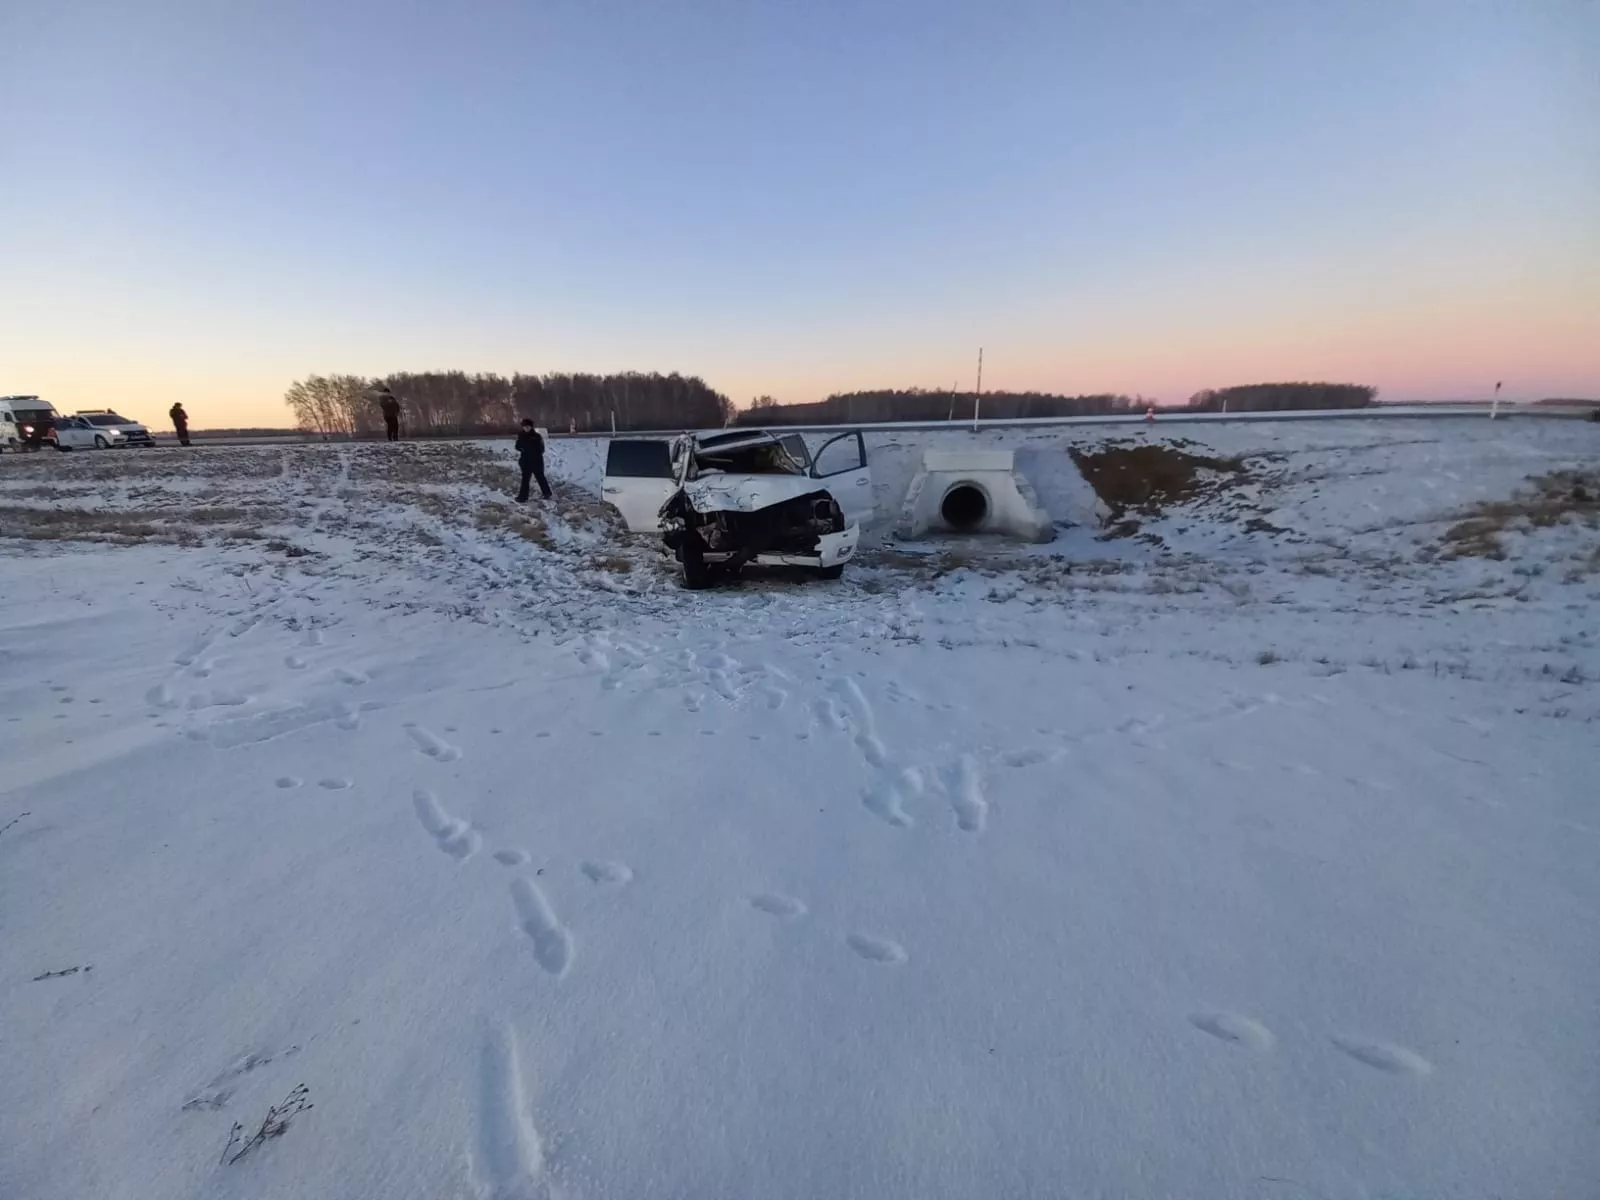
(530,457)
(391,413)
(180,422)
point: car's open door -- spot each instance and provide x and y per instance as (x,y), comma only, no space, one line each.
(638,480)
(842,463)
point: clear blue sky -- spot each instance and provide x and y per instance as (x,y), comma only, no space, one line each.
(206,200)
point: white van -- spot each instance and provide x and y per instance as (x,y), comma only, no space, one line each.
(26,423)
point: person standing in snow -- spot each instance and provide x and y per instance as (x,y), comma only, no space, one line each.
(180,422)
(530,457)
(391,412)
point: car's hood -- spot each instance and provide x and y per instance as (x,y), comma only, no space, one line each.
(747,493)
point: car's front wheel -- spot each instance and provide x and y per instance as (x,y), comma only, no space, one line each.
(833,572)
(100,443)
(696,570)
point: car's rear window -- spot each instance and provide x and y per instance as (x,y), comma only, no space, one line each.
(639,459)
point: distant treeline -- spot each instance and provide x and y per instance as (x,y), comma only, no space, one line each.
(453,403)
(917,404)
(1281,397)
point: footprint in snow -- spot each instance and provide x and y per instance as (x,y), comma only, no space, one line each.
(967,799)
(886,798)
(454,836)
(552,944)
(876,949)
(1025,758)
(1231,1027)
(607,872)
(1384,1056)
(511,858)
(776,905)
(334,783)
(287,781)
(432,744)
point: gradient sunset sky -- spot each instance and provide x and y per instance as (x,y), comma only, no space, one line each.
(205,201)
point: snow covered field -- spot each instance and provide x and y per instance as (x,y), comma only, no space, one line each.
(1250,854)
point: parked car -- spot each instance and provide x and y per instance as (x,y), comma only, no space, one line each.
(76,433)
(724,500)
(133,433)
(26,423)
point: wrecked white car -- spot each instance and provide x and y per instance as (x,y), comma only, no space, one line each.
(724,500)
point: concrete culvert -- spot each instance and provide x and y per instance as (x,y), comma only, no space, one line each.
(964,506)
(972,492)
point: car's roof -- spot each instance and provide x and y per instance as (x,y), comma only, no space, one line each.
(714,441)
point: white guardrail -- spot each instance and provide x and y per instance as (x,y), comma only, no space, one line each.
(1169,417)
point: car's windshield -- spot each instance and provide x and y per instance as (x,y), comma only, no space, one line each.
(107,419)
(763,457)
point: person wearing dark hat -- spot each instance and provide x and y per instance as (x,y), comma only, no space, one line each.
(180,422)
(391,412)
(530,457)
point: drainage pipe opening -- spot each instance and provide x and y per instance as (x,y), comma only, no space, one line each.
(964,506)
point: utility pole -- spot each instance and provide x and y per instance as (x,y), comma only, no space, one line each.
(951,416)
(977,396)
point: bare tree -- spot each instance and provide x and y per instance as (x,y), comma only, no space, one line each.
(331,404)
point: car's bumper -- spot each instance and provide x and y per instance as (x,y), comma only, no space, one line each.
(833,550)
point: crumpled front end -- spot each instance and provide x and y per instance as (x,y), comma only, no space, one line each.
(805,530)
